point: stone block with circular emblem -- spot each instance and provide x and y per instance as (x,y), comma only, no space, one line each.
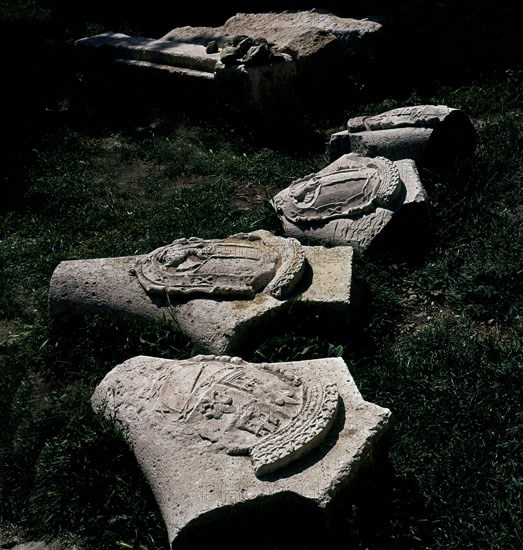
(224,294)
(349,202)
(215,433)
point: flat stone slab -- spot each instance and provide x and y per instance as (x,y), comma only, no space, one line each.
(215,434)
(434,136)
(222,293)
(252,75)
(349,202)
(163,52)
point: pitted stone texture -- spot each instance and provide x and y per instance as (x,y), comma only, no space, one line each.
(431,135)
(423,116)
(350,201)
(216,432)
(201,299)
(301,34)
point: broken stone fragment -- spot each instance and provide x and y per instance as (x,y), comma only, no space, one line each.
(233,53)
(224,294)
(229,56)
(434,136)
(243,72)
(351,201)
(212,47)
(249,52)
(294,32)
(423,116)
(307,57)
(257,54)
(215,433)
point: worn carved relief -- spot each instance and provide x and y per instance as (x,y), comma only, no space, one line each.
(224,295)
(215,433)
(350,201)
(425,116)
(246,409)
(358,188)
(240,265)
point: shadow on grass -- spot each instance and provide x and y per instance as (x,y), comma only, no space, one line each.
(381,510)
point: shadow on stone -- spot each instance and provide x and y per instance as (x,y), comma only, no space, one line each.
(363,515)
(289,522)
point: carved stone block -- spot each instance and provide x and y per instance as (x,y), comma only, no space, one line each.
(214,432)
(434,136)
(350,201)
(256,82)
(222,293)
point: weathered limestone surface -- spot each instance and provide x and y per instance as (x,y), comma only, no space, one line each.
(324,48)
(431,135)
(223,294)
(299,33)
(216,433)
(394,144)
(350,201)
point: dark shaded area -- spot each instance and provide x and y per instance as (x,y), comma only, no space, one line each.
(450,146)
(288,522)
(408,237)
(11,376)
(381,509)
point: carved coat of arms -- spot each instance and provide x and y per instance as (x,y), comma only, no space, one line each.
(359,188)
(240,265)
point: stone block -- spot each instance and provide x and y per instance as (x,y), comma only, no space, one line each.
(299,59)
(215,434)
(223,294)
(301,34)
(434,136)
(350,202)
(255,79)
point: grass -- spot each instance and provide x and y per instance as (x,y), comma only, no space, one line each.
(440,345)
